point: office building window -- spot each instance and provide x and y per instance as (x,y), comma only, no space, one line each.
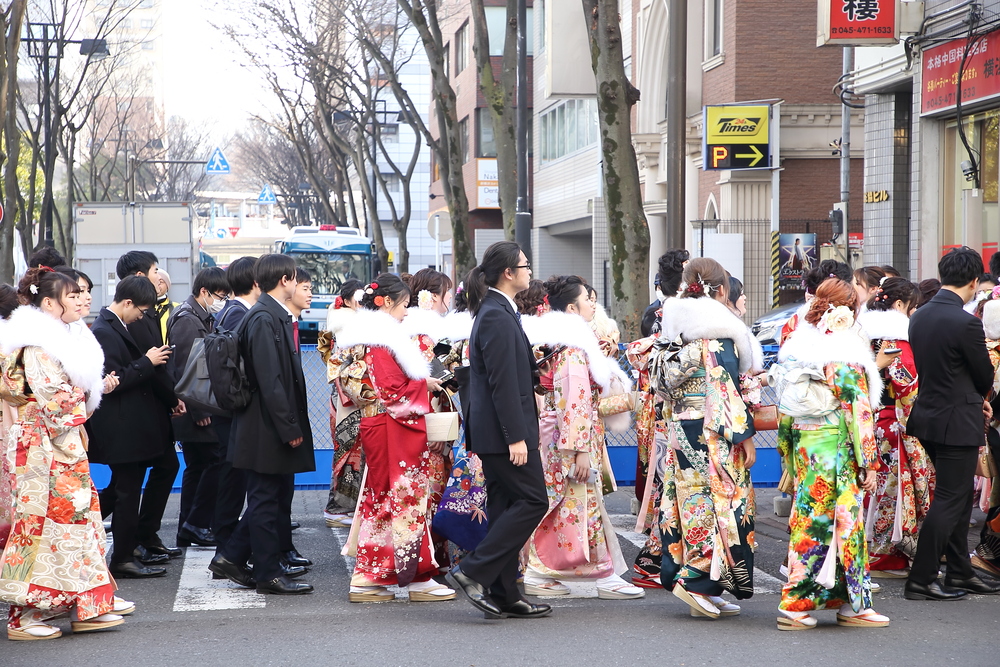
(461,48)
(463,139)
(484,129)
(447,61)
(713,28)
(568,127)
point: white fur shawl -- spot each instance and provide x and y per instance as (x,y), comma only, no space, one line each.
(808,346)
(378,329)
(457,326)
(557,328)
(887,324)
(991,320)
(707,318)
(426,322)
(337,319)
(74,347)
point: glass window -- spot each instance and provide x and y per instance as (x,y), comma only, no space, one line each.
(461,48)
(582,111)
(571,143)
(447,61)
(463,139)
(981,130)
(331,270)
(713,28)
(484,128)
(567,127)
(561,130)
(496,24)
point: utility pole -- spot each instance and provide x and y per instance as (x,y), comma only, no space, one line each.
(676,121)
(845,155)
(522,218)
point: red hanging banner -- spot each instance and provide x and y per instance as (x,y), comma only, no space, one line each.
(861,22)
(939,73)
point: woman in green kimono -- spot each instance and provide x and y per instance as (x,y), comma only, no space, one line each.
(707,507)
(827,442)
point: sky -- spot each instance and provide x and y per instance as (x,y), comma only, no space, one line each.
(203,79)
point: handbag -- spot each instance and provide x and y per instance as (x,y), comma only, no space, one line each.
(802,391)
(195,385)
(786,484)
(985,465)
(441,426)
(765,418)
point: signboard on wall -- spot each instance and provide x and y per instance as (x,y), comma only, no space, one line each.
(796,256)
(860,22)
(980,74)
(737,136)
(487,183)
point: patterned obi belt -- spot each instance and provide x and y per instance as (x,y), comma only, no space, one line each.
(688,400)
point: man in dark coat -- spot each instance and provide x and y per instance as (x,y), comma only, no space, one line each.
(190,321)
(950,417)
(127,431)
(502,429)
(272,439)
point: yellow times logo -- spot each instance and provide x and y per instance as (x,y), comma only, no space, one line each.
(737,126)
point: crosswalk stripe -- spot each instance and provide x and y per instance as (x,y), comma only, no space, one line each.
(197,591)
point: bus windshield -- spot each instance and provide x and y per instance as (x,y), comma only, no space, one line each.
(331,270)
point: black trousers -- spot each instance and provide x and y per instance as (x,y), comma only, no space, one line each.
(162,473)
(232,487)
(516,504)
(200,483)
(258,532)
(946,528)
(285,518)
(136,516)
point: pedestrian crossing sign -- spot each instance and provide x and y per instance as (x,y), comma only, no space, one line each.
(217,164)
(266,196)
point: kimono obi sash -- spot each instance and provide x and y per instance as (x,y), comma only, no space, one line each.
(689,398)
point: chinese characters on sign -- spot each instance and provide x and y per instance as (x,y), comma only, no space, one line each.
(796,256)
(980,74)
(862,22)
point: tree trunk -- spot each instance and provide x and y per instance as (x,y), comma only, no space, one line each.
(628,232)
(13,19)
(500,100)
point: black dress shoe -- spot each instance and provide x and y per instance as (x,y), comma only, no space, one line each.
(234,572)
(296,525)
(932,591)
(521,609)
(293,557)
(473,590)
(147,557)
(157,546)
(973,585)
(292,571)
(135,570)
(188,535)
(284,586)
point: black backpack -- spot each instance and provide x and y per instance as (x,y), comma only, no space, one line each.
(225,369)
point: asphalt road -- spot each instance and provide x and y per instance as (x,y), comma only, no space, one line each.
(186,619)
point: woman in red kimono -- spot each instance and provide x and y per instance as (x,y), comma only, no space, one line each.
(905,481)
(384,372)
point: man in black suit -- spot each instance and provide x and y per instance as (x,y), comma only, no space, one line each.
(272,439)
(127,431)
(232,481)
(502,428)
(949,417)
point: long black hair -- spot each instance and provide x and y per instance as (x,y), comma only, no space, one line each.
(499,257)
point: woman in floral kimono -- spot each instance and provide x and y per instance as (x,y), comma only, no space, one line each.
(383,371)
(53,561)
(986,556)
(576,540)
(829,448)
(904,483)
(707,508)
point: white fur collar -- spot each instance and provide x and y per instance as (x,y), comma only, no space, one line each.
(887,324)
(707,318)
(337,319)
(457,326)
(74,347)
(378,329)
(424,322)
(991,319)
(557,328)
(808,346)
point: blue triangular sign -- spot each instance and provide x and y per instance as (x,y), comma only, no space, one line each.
(217,164)
(266,196)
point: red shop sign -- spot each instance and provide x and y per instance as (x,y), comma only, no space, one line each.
(862,22)
(939,73)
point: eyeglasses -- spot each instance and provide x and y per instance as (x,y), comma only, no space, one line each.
(522,266)
(142,312)
(221,297)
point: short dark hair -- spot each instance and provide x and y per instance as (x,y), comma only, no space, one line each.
(272,268)
(828,268)
(212,279)
(995,263)
(8,300)
(670,268)
(960,267)
(989,278)
(75,275)
(136,289)
(302,275)
(46,256)
(135,261)
(735,290)
(240,275)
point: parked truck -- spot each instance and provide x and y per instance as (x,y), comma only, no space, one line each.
(104,231)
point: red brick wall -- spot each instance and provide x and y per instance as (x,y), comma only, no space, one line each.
(809,188)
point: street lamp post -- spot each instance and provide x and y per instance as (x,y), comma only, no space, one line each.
(522,218)
(41,39)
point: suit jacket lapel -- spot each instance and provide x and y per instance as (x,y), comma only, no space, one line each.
(117,325)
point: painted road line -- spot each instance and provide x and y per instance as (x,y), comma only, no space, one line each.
(197,591)
(341,535)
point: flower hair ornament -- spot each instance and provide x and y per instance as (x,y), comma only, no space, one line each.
(995,293)
(425,300)
(370,289)
(460,288)
(840,318)
(882,280)
(700,288)
(33,288)
(379,301)
(338,303)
